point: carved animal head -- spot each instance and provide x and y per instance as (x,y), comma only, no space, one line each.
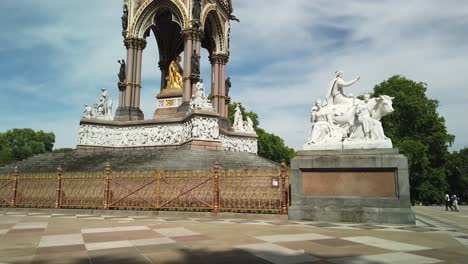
(383,107)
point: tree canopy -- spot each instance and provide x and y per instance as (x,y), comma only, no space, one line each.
(420,133)
(270,146)
(18,144)
(457,173)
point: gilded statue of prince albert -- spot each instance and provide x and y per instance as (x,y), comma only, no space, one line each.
(174,79)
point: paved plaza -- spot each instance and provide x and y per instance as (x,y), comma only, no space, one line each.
(59,237)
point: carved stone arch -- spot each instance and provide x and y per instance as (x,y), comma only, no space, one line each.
(144,18)
(213,30)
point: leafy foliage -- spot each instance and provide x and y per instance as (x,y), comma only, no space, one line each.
(270,146)
(457,173)
(18,144)
(420,133)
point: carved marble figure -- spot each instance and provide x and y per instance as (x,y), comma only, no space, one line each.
(365,126)
(250,125)
(199,100)
(336,94)
(238,120)
(346,122)
(100,110)
(88,111)
(323,130)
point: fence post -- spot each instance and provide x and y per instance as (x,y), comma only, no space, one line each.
(158,189)
(107,188)
(284,202)
(59,187)
(15,187)
(215,188)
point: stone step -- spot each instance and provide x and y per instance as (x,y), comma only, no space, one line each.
(142,160)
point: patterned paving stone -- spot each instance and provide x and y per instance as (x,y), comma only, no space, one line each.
(176,232)
(333,248)
(113,229)
(71,238)
(386,244)
(31,225)
(294,237)
(61,240)
(277,254)
(398,257)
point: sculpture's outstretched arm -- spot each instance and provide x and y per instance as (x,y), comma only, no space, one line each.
(341,82)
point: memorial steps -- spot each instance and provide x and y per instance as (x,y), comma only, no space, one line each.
(141,160)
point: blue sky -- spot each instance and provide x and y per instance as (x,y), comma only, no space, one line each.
(56,56)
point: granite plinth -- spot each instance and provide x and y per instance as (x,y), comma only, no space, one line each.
(128,114)
(359,185)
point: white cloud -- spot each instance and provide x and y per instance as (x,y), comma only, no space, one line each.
(283,54)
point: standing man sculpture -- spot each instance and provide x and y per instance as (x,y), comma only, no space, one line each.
(125,18)
(122,74)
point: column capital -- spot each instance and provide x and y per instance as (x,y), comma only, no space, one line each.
(219,58)
(192,33)
(135,43)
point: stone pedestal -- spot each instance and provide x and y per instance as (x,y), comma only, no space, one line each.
(359,185)
(168,101)
(128,114)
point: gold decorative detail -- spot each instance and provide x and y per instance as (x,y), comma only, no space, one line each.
(174,79)
(224,191)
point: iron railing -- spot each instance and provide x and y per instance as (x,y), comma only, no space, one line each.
(256,191)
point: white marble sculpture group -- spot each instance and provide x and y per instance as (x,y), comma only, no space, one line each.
(199,128)
(346,122)
(199,100)
(240,125)
(101,110)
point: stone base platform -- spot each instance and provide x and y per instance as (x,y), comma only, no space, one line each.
(366,185)
(128,159)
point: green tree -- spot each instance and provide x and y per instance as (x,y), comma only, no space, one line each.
(457,173)
(18,144)
(270,146)
(420,133)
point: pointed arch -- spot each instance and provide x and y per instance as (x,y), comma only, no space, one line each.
(213,30)
(144,18)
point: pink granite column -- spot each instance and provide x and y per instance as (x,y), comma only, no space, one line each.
(187,66)
(129,43)
(215,89)
(196,46)
(139,54)
(222,101)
